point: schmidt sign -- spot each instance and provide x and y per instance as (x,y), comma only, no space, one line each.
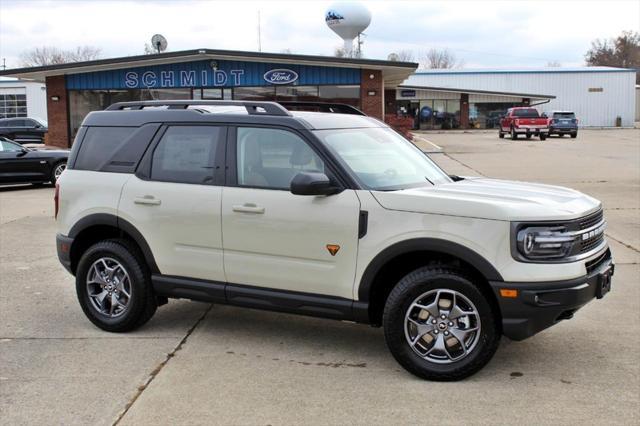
(213,73)
(203,78)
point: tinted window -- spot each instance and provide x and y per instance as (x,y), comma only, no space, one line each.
(526,113)
(186,154)
(564,115)
(9,146)
(99,145)
(270,158)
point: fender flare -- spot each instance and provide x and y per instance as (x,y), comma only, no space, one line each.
(121,224)
(424,244)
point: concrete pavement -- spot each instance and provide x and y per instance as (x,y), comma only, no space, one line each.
(194,363)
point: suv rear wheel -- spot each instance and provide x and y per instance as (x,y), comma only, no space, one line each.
(114,286)
(438,324)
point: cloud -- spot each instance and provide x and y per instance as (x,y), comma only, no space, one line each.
(482,33)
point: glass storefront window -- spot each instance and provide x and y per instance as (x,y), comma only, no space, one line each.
(486,115)
(297,93)
(81,103)
(254,93)
(212,93)
(349,95)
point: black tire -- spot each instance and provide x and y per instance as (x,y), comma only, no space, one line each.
(413,286)
(514,135)
(574,135)
(53,178)
(528,135)
(500,134)
(142,304)
(543,136)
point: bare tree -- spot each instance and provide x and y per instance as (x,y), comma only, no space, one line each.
(622,51)
(554,64)
(435,59)
(340,52)
(402,56)
(48,55)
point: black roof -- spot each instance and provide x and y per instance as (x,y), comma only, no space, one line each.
(130,114)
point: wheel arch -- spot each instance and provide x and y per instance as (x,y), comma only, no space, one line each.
(100,226)
(397,260)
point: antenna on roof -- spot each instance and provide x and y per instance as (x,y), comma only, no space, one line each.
(159,43)
(259,34)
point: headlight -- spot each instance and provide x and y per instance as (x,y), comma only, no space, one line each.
(541,243)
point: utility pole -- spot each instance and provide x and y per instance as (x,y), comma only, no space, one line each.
(259,34)
(4,64)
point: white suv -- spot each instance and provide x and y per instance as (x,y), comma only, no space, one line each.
(326,214)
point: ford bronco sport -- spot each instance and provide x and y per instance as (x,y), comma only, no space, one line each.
(318,213)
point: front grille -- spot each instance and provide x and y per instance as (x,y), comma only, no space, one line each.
(591,243)
(591,220)
(594,264)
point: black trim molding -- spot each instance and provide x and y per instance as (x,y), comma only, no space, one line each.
(424,244)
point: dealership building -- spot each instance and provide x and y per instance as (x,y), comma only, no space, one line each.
(75,89)
(434,99)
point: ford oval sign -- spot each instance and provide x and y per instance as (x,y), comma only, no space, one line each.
(280,76)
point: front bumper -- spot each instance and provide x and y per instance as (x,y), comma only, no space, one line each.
(540,305)
(63,246)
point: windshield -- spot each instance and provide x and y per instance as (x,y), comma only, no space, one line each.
(381,159)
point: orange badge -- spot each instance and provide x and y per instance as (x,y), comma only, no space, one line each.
(333,249)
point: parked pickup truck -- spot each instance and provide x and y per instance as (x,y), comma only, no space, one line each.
(524,121)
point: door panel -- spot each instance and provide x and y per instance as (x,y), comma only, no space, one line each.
(176,206)
(181,223)
(278,240)
(282,244)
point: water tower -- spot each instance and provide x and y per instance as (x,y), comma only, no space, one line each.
(348,20)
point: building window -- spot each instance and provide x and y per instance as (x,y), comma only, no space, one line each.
(349,95)
(297,93)
(254,93)
(13,106)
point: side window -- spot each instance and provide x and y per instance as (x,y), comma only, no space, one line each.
(9,147)
(186,154)
(270,158)
(99,145)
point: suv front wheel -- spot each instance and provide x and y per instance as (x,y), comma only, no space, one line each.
(439,325)
(114,286)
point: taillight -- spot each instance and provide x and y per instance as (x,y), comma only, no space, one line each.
(56,201)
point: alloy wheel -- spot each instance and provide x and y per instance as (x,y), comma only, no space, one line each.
(109,287)
(442,326)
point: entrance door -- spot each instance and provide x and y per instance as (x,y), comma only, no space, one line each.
(278,240)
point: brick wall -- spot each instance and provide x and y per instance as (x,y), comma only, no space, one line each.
(57,113)
(371,104)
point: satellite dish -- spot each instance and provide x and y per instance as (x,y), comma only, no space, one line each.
(393,57)
(348,20)
(159,42)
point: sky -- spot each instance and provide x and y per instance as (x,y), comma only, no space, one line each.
(480,33)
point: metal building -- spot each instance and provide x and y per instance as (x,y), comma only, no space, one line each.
(598,95)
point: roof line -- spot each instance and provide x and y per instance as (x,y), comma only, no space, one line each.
(521,71)
(479,92)
(201,52)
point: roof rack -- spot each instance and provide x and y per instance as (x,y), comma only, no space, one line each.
(253,107)
(323,107)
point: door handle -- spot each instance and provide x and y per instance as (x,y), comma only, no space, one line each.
(148,200)
(248,208)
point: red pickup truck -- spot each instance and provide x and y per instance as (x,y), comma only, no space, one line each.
(524,121)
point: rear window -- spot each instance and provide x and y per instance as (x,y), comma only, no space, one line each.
(99,145)
(526,113)
(564,115)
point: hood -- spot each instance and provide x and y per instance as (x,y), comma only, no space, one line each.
(492,199)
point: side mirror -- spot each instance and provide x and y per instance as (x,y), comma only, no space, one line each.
(313,184)
(22,152)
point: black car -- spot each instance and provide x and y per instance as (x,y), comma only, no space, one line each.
(23,130)
(23,165)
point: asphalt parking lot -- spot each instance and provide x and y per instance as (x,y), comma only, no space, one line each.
(196,363)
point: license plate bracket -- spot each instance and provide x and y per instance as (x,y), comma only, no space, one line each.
(604,282)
